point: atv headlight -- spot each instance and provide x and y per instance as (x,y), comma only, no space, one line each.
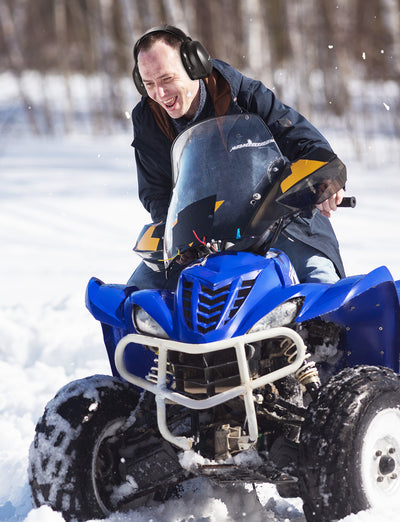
(282,315)
(146,325)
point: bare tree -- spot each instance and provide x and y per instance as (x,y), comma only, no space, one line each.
(15,54)
(174,13)
(391,23)
(61,26)
(257,60)
(300,17)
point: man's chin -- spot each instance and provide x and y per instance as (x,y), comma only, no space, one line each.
(176,117)
(175,114)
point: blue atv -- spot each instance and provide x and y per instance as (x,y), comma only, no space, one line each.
(237,373)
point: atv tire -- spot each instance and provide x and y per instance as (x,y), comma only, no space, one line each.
(73,464)
(349,457)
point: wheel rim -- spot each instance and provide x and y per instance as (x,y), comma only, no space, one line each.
(103,464)
(380,458)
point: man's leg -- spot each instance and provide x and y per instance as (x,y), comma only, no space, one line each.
(310,264)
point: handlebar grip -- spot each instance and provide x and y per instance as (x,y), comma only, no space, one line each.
(348,201)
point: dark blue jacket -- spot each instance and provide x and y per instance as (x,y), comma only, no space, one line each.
(295,136)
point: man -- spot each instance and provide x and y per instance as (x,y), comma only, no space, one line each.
(181,86)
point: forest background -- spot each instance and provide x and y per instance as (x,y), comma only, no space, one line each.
(68,63)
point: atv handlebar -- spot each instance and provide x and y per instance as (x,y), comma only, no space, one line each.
(349,201)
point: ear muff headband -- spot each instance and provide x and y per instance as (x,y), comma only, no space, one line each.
(195,58)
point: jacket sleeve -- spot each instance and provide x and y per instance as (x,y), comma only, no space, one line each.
(295,135)
(153,164)
(153,186)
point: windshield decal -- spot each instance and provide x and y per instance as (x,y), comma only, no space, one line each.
(300,170)
(250,143)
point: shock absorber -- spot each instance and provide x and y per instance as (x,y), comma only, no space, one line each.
(307,374)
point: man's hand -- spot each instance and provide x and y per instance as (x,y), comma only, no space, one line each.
(329,205)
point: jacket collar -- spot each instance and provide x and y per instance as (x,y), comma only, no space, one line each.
(231,75)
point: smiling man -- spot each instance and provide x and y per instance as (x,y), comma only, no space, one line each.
(180,86)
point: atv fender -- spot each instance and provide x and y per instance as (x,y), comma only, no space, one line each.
(105,302)
(108,304)
(367,307)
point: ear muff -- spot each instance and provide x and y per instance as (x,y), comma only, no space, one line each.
(195,57)
(137,80)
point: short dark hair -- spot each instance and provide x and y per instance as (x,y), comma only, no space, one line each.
(148,41)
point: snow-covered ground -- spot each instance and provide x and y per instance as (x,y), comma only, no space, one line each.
(69,210)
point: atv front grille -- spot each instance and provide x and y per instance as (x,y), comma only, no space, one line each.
(205,307)
(209,373)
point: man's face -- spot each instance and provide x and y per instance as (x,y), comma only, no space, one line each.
(167,82)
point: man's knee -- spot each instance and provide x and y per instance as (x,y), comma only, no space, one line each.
(319,269)
(311,265)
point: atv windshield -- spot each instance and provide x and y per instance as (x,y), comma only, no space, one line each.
(227,175)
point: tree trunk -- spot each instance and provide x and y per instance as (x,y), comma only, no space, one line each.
(16,58)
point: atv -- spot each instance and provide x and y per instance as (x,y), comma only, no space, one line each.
(239,373)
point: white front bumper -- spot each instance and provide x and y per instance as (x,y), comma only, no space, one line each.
(245,389)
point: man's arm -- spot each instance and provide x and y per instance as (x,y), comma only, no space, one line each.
(153,162)
(154,187)
(296,137)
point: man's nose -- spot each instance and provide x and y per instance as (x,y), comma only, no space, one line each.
(160,91)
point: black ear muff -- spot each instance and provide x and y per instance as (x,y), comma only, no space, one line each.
(195,58)
(137,80)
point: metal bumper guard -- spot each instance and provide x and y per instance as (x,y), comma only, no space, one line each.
(163,394)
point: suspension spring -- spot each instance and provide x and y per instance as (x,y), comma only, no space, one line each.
(307,374)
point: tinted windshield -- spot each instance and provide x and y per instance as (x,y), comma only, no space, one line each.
(222,169)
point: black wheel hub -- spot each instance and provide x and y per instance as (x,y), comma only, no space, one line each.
(387,465)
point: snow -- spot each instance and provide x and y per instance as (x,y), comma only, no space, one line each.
(68,211)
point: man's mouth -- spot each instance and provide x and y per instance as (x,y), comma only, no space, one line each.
(170,103)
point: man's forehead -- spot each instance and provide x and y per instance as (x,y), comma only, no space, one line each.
(159,59)
(158,47)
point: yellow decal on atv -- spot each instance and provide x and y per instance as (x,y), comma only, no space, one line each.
(218,204)
(300,170)
(147,241)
